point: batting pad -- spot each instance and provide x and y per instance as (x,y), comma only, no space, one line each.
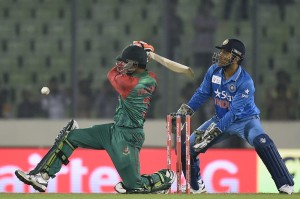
(268,153)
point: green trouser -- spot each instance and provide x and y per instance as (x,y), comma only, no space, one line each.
(122,144)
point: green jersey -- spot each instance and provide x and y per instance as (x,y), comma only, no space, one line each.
(135,95)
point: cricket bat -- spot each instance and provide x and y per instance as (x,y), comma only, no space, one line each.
(172,65)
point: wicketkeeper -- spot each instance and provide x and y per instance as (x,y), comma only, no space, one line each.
(232,90)
(122,139)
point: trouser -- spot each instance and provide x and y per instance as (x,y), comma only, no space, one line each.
(122,144)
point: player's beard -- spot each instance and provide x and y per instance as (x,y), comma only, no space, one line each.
(224,62)
(221,61)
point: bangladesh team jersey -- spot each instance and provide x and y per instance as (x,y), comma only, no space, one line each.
(233,98)
(135,95)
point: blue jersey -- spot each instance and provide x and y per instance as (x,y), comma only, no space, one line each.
(233,98)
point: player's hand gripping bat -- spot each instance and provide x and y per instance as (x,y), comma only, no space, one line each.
(172,65)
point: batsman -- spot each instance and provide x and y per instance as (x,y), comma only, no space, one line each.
(232,90)
(122,139)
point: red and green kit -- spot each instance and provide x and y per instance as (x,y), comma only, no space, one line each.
(123,138)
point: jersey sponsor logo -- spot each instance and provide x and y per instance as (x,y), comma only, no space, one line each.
(246,94)
(221,103)
(146,90)
(216,79)
(222,99)
(223,95)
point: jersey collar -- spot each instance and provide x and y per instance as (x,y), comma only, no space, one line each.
(140,74)
(236,75)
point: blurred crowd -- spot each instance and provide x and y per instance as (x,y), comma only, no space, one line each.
(280,100)
(92,103)
(100,103)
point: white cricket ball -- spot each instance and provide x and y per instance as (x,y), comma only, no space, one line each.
(45,90)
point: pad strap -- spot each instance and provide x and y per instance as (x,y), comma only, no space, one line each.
(152,182)
(53,153)
(64,159)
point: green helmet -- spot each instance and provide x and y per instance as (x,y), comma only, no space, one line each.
(134,54)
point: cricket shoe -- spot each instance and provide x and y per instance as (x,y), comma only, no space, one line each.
(120,188)
(160,186)
(39,181)
(200,190)
(286,189)
(164,187)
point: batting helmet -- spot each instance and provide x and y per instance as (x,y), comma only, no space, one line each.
(134,54)
(235,46)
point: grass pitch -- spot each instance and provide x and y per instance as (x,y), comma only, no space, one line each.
(145,196)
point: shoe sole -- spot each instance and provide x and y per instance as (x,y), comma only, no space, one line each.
(22,176)
(198,192)
(194,192)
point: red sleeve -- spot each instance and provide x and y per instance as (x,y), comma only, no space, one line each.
(122,83)
(153,75)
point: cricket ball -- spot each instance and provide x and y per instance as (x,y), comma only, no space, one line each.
(45,90)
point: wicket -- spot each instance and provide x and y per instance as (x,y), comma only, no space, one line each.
(179,128)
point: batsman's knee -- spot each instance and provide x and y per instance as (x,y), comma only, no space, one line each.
(63,134)
(62,140)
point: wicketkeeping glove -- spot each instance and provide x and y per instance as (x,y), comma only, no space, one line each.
(182,112)
(203,138)
(185,110)
(174,115)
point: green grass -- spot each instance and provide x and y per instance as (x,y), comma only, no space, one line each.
(147,196)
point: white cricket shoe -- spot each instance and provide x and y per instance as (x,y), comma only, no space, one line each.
(200,190)
(39,181)
(286,189)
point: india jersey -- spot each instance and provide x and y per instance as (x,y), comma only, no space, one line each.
(233,98)
(135,95)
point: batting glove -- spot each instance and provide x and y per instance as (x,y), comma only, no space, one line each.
(147,47)
(203,138)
